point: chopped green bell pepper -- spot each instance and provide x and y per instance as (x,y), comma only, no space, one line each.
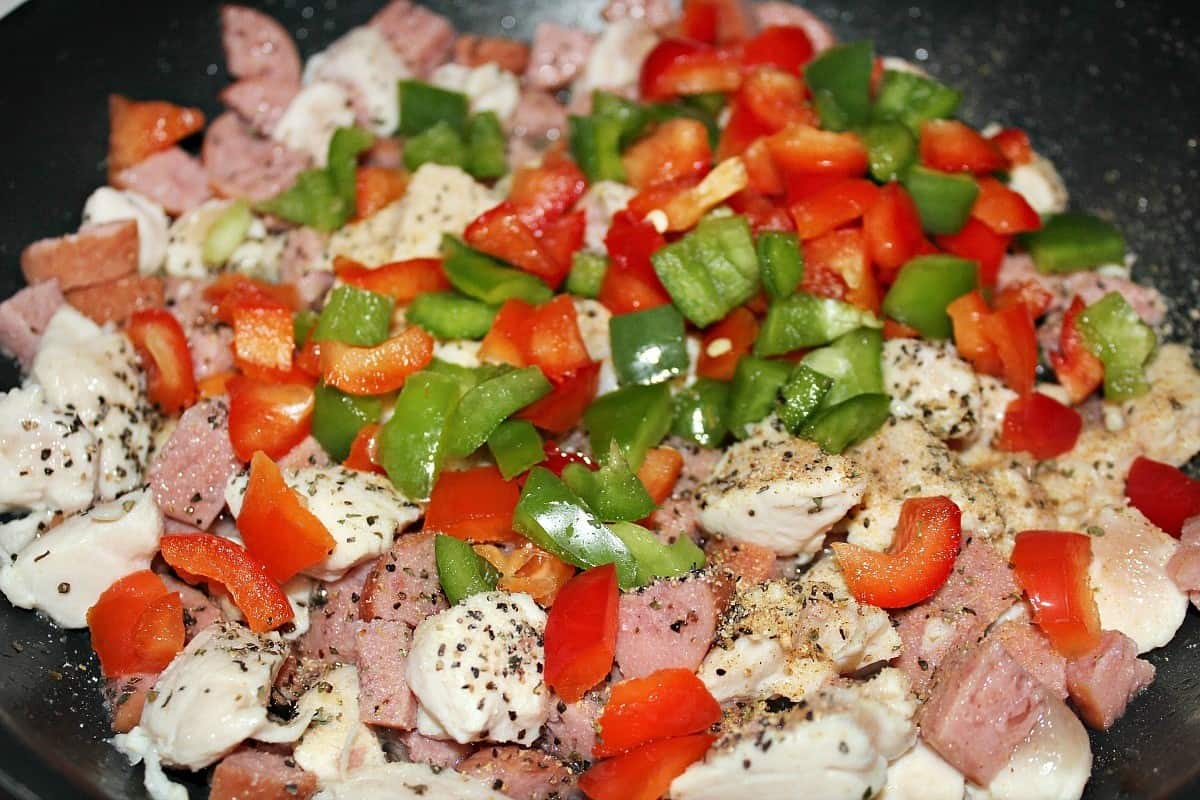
(484,407)
(587,274)
(226,233)
(342,161)
(551,516)
(752,395)
(804,320)
(355,316)
(648,346)
(411,443)
(482,277)
(801,396)
(450,315)
(854,361)
(1072,241)
(840,81)
(710,271)
(423,105)
(487,146)
(613,492)
(516,446)
(847,423)
(781,262)
(338,417)
(631,115)
(596,147)
(439,144)
(1114,332)
(913,99)
(304,322)
(943,200)
(891,150)
(635,417)
(461,571)
(924,287)
(699,412)
(655,559)
(324,198)
(467,378)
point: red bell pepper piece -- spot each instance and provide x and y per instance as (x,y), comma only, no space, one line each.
(677,150)
(698,21)
(500,232)
(1032,295)
(554,342)
(760,212)
(717,21)
(507,341)
(163,349)
(528,569)
(833,207)
(776,99)
(581,633)
(785,46)
(892,229)
(1011,332)
(263,340)
(139,129)
(844,253)
(474,504)
(898,330)
(1039,425)
(679,67)
(215,385)
(1165,495)
(980,244)
(761,174)
(136,625)
(231,291)
(662,705)
(660,471)
(919,561)
(804,149)
(725,343)
(377,187)
(267,416)
(400,280)
(205,555)
(363,455)
(562,409)
(277,528)
(543,193)
(630,283)
(1014,144)
(1002,209)
(951,146)
(376,370)
(741,130)
(1052,568)
(557,460)
(1078,369)
(820,278)
(563,237)
(967,314)
(645,773)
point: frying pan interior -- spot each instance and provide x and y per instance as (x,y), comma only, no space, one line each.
(1106,90)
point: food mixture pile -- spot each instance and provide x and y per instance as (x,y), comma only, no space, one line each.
(696,409)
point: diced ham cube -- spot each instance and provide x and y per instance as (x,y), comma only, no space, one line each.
(778,12)
(333,621)
(983,704)
(1184,566)
(745,560)
(309,453)
(117,300)
(434,752)
(384,696)
(557,56)
(1033,651)
(257,774)
(257,46)
(172,178)
(97,254)
(421,37)
(1102,682)
(125,696)
(209,341)
(300,264)
(473,51)
(240,164)
(670,623)
(403,584)
(571,728)
(520,773)
(260,102)
(656,13)
(24,316)
(188,475)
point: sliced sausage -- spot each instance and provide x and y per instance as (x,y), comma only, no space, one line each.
(117,300)
(172,178)
(240,164)
(384,696)
(1102,682)
(260,102)
(256,774)
(332,634)
(403,584)
(520,773)
(670,623)
(423,38)
(257,46)
(188,475)
(97,254)
(24,316)
(125,696)
(473,51)
(557,55)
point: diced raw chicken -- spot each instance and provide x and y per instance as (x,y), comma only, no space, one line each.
(1103,681)
(23,318)
(310,120)
(519,773)
(615,60)
(188,475)
(399,781)
(421,37)
(1041,185)
(174,179)
(487,87)
(46,454)
(98,254)
(364,63)
(670,623)
(921,774)
(600,203)
(337,743)
(928,382)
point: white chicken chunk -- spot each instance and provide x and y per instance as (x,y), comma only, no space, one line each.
(368,67)
(927,381)
(599,204)
(487,87)
(259,255)
(46,455)
(1041,185)
(463,352)
(406,781)
(616,58)
(593,320)
(1054,761)
(994,397)
(311,119)
(17,533)
(362,511)
(109,205)
(921,774)
(64,571)
(476,670)
(336,737)
(779,491)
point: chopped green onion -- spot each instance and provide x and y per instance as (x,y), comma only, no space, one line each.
(1072,241)
(752,395)
(804,320)
(943,200)
(648,346)
(587,274)
(423,105)
(450,315)
(226,233)
(338,417)
(482,277)
(924,287)
(840,81)
(461,571)
(1114,332)
(485,406)
(516,446)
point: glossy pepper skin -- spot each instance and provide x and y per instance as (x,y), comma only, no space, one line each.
(647,772)
(461,571)
(473,504)
(581,633)
(1072,241)
(1115,334)
(411,443)
(613,492)
(1052,568)
(635,417)
(648,346)
(354,316)
(136,625)
(662,705)
(923,289)
(699,411)
(1164,494)
(485,406)
(276,527)
(516,446)
(1039,425)
(162,346)
(338,417)
(653,558)
(804,320)
(753,393)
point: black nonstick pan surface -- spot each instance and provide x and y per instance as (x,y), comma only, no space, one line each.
(1108,89)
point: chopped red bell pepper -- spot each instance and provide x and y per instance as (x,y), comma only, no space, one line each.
(680,67)
(545,192)
(136,625)
(698,21)
(215,385)
(581,633)
(898,330)
(500,232)
(967,314)
(844,253)
(474,504)
(951,146)
(139,129)
(204,555)
(645,773)
(1003,209)
(263,340)
(1078,369)
(163,349)
(821,279)
(660,471)
(741,130)
(1039,425)
(308,362)
(563,237)
(803,149)
(377,187)
(507,341)
(833,207)
(364,449)
(776,99)
(1034,296)
(557,460)
(554,342)
(267,416)
(277,528)
(1011,332)
(630,283)
(892,229)
(1014,144)
(662,705)
(785,46)
(919,561)
(376,370)
(764,179)
(231,291)
(1052,568)
(562,409)
(400,280)
(1165,495)
(979,243)
(717,21)
(725,343)
(760,212)
(528,569)
(677,150)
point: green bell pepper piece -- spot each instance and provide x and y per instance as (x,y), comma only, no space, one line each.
(411,443)
(338,417)
(450,315)
(613,492)
(924,287)
(439,144)
(484,407)
(891,150)
(655,559)
(804,320)
(487,146)
(596,147)
(635,417)
(854,362)
(486,279)
(648,346)
(801,396)
(461,571)
(423,105)
(840,81)
(710,271)
(943,200)
(698,412)
(781,262)
(324,198)
(847,423)
(1114,332)
(355,316)
(516,446)
(752,395)
(467,378)
(551,516)
(342,161)
(304,322)
(912,99)
(688,282)
(226,233)
(587,274)
(632,116)
(1073,241)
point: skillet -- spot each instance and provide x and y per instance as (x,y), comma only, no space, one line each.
(1106,90)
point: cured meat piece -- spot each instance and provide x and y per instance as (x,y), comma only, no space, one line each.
(117,300)
(333,622)
(188,475)
(257,46)
(260,102)
(125,696)
(520,773)
(97,254)
(172,178)
(473,51)
(434,752)
(557,55)
(24,316)
(240,164)
(670,623)
(423,38)
(1102,682)
(384,697)
(256,774)
(403,584)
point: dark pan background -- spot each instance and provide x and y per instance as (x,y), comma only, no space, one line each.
(1109,90)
